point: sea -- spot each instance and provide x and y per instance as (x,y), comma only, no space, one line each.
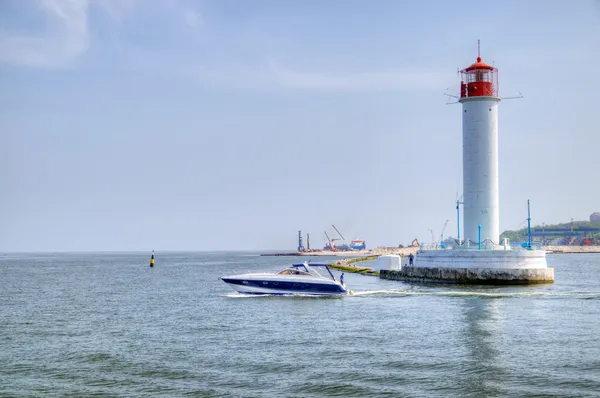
(108,325)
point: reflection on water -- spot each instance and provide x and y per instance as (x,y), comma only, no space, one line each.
(482,331)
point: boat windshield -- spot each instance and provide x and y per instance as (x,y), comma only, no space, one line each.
(311,269)
(293,271)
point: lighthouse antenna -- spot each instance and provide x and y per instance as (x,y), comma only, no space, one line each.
(447,93)
(514,97)
(478,48)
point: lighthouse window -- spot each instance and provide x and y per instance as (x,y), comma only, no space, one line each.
(474,77)
(480,76)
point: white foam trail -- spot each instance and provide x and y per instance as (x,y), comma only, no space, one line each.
(462,293)
(451,293)
(312,296)
(241,296)
(383,292)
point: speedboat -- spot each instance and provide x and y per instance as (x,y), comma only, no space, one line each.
(297,279)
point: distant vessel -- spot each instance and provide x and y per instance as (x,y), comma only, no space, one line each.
(297,279)
(358,244)
(355,244)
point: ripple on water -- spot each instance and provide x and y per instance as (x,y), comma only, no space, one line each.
(106,325)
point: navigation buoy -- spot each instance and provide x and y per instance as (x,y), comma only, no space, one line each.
(152,260)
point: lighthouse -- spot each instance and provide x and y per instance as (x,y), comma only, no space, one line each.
(480,258)
(479,99)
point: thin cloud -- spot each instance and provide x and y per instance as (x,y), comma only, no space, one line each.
(270,76)
(67,36)
(118,10)
(62,43)
(379,81)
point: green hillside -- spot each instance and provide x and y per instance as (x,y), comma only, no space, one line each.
(578,227)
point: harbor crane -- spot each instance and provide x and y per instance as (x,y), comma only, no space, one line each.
(458,203)
(330,242)
(442,234)
(336,230)
(300,244)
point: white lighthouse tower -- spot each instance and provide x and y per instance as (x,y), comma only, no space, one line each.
(479,99)
(481,258)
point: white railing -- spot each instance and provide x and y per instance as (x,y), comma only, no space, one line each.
(484,245)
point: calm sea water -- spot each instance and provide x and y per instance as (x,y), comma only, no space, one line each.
(108,325)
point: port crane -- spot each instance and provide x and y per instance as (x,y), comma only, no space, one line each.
(458,203)
(336,230)
(442,234)
(300,244)
(331,242)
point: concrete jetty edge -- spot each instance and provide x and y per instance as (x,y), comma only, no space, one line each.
(471,276)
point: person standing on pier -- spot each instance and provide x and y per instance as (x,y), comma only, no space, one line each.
(410,259)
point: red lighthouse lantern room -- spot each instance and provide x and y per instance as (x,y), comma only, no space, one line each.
(479,80)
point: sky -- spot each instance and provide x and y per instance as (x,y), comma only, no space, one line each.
(231,125)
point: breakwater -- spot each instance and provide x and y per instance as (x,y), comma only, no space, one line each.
(572,249)
(280,254)
(405,251)
(348,265)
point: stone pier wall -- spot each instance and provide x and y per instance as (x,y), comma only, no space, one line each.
(476,276)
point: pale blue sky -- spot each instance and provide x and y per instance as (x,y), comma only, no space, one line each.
(209,125)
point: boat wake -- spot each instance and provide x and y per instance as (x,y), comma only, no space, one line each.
(463,293)
(451,293)
(293,296)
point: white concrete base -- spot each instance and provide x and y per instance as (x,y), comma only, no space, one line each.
(498,267)
(390,262)
(501,259)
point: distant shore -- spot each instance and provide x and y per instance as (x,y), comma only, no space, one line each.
(405,251)
(572,249)
(379,251)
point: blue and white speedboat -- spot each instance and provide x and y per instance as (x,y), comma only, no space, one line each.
(301,279)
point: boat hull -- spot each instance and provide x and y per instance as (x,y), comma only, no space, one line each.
(285,287)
